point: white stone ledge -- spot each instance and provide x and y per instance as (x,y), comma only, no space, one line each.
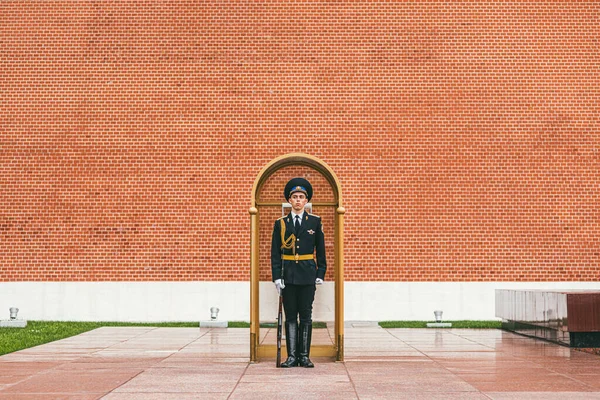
(191,301)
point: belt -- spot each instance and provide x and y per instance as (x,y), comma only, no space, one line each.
(298,257)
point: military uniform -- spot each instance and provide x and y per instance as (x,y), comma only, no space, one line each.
(293,260)
(310,236)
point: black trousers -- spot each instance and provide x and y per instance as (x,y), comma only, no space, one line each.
(298,301)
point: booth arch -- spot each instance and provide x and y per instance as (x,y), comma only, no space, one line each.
(297,159)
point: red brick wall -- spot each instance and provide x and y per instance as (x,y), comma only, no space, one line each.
(465,135)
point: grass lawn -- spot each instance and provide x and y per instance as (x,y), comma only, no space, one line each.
(40,332)
(455,324)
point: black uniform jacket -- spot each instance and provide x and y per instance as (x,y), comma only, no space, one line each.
(309,238)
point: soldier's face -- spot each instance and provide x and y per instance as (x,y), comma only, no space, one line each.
(298,200)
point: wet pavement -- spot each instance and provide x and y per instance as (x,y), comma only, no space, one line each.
(187,363)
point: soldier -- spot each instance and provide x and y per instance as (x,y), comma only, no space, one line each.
(295,238)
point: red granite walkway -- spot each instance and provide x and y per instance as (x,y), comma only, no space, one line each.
(187,363)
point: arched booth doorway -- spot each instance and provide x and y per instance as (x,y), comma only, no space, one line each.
(267,205)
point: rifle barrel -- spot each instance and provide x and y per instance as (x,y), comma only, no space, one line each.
(279,323)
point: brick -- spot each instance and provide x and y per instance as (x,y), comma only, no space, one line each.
(465,135)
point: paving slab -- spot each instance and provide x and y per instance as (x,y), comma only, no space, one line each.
(125,363)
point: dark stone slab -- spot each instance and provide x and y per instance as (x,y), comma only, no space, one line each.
(585,339)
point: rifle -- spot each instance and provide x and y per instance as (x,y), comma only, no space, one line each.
(285,244)
(279,323)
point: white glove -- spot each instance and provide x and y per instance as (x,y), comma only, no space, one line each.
(279,285)
(318,281)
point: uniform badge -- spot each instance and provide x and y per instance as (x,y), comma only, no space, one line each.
(310,231)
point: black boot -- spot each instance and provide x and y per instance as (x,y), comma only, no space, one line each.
(304,350)
(291,339)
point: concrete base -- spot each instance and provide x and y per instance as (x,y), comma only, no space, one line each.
(213,324)
(439,325)
(13,323)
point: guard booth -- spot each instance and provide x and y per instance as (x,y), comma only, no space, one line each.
(266,207)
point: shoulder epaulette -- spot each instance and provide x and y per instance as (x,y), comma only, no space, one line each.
(313,215)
